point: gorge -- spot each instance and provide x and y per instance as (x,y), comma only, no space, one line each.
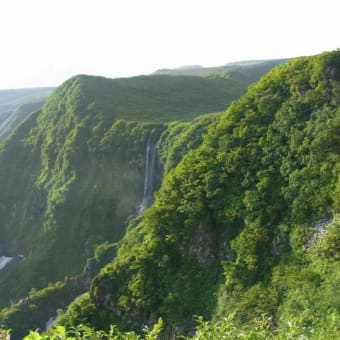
(169,196)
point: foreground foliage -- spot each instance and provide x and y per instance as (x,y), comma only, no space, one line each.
(262,329)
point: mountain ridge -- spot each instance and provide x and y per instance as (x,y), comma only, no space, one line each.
(73,172)
(16,105)
(230,213)
(226,233)
(226,70)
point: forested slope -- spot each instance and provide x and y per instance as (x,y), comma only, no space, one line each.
(241,73)
(73,172)
(16,105)
(231,230)
(245,222)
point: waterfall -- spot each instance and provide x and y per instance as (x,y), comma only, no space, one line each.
(4,260)
(149,177)
(50,322)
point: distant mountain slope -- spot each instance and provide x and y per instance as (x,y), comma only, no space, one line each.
(15,97)
(251,70)
(13,118)
(152,98)
(16,105)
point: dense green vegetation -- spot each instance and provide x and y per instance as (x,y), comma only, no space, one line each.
(16,97)
(224,329)
(73,172)
(150,98)
(14,118)
(244,230)
(229,225)
(44,304)
(181,137)
(16,105)
(240,73)
(79,147)
(79,196)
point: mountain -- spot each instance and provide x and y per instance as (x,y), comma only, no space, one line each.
(245,221)
(152,98)
(246,224)
(73,172)
(12,118)
(16,105)
(18,96)
(240,72)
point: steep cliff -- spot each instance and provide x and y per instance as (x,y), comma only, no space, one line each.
(74,171)
(228,228)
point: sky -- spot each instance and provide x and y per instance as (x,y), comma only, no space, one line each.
(45,42)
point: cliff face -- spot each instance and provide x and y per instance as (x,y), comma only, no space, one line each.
(68,198)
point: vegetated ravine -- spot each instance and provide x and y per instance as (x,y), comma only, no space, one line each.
(73,172)
(229,227)
(232,232)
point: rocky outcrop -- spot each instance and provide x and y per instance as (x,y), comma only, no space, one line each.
(134,317)
(201,244)
(320,229)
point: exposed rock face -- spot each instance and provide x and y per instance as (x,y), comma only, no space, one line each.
(206,244)
(279,243)
(320,227)
(333,72)
(135,317)
(77,282)
(201,244)
(23,302)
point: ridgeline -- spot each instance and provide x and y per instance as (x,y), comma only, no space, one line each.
(245,222)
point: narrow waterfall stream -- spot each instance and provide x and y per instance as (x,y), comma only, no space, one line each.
(150,175)
(4,260)
(50,322)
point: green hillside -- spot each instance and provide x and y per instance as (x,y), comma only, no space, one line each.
(244,230)
(16,105)
(13,118)
(242,73)
(149,98)
(247,224)
(73,172)
(15,97)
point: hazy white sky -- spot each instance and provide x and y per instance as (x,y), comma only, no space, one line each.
(44,42)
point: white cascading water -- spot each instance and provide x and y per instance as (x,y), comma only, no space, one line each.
(50,322)
(149,178)
(4,260)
